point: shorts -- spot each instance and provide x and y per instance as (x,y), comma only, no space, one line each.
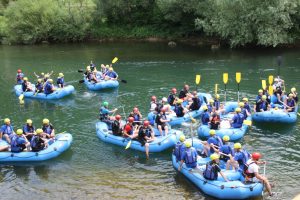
(162,126)
(142,141)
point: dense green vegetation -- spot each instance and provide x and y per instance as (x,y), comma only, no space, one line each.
(235,22)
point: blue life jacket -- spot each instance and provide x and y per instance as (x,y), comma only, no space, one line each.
(111,74)
(48,88)
(191,157)
(15,146)
(244,112)
(171,99)
(39,86)
(209,108)
(131,131)
(36,144)
(226,149)
(242,162)
(263,105)
(24,86)
(247,107)
(136,117)
(60,81)
(205,118)
(209,173)
(238,120)
(216,140)
(179,111)
(28,129)
(217,104)
(20,78)
(179,147)
(258,97)
(7,129)
(103,116)
(196,104)
(34,141)
(47,129)
(291,103)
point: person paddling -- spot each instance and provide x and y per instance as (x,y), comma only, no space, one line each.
(161,121)
(239,158)
(49,87)
(213,169)
(184,92)
(19,76)
(189,156)
(60,80)
(295,94)
(146,136)
(48,130)
(19,142)
(111,74)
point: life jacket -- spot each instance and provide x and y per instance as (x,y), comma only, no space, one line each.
(247,107)
(171,99)
(263,105)
(60,81)
(136,117)
(36,144)
(47,129)
(179,111)
(48,88)
(8,129)
(115,127)
(209,108)
(28,129)
(205,118)
(209,173)
(258,98)
(215,121)
(244,112)
(238,121)
(177,150)
(145,132)
(103,116)
(159,106)
(182,94)
(20,77)
(290,103)
(226,149)
(216,140)
(244,160)
(89,76)
(246,173)
(191,156)
(196,104)
(111,74)
(24,86)
(39,86)
(15,147)
(216,104)
(158,117)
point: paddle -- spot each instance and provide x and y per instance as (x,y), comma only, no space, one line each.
(114,60)
(198,79)
(264,84)
(128,145)
(247,122)
(238,77)
(216,89)
(271,78)
(225,81)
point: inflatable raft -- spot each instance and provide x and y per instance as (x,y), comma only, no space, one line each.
(161,143)
(62,143)
(276,116)
(57,94)
(234,189)
(104,84)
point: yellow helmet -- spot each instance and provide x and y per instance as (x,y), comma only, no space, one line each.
(211,101)
(212,132)
(60,75)
(179,101)
(29,121)
(46,121)
(226,138)
(50,80)
(188,144)
(47,76)
(217,96)
(276,108)
(238,110)
(25,79)
(237,145)
(39,80)
(182,138)
(6,120)
(111,69)
(43,74)
(241,104)
(39,131)
(291,95)
(293,89)
(19,132)
(204,107)
(107,66)
(264,97)
(260,91)
(214,156)
(245,99)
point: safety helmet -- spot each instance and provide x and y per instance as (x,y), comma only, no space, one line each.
(238,110)
(60,75)
(25,79)
(118,117)
(19,131)
(214,156)
(46,121)
(88,67)
(164,99)
(111,69)
(212,132)
(29,121)
(19,71)
(146,123)
(188,144)
(47,76)
(204,107)
(264,97)
(241,104)
(260,91)
(226,138)
(237,145)
(179,101)
(107,66)
(245,99)
(42,73)
(211,101)
(153,98)
(182,138)
(291,95)
(293,89)
(135,109)
(130,119)
(163,109)
(50,80)
(174,90)
(39,131)
(255,156)
(276,79)
(217,96)
(6,120)
(105,103)
(39,80)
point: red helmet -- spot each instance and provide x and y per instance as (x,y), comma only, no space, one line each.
(174,90)
(256,156)
(153,98)
(135,109)
(130,119)
(118,117)
(19,71)
(146,123)
(163,110)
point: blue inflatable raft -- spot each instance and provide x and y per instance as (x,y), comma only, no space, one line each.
(161,143)
(275,115)
(234,189)
(62,143)
(57,94)
(104,84)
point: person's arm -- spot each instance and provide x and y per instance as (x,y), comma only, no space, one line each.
(223,175)
(180,165)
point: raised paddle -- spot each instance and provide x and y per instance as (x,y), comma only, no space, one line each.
(271,78)
(216,89)
(225,81)
(264,84)
(238,77)
(197,80)
(114,60)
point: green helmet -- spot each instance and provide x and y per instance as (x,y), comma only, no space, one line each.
(105,103)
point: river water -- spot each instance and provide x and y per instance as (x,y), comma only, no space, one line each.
(92,169)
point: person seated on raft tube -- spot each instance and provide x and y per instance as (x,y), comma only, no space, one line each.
(290,104)
(60,80)
(279,94)
(39,86)
(213,169)
(239,158)
(19,142)
(161,121)
(215,121)
(179,109)
(216,103)
(172,97)
(137,116)
(165,105)
(111,74)
(251,172)
(259,96)
(210,105)
(37,142)
(104,113)
(196,103)
(246,105)
(238,119)
(295,94)
(93,66)
(6,131)
(146,135)
(189,156)
(26,85)
(28,129)
(49,87)
(90,76)
(48,130)
(184,92)
(262,105)
(179,148)
(244,111)
(212,142)
(129,131)
(19,76)
(116,126)
(153,103)
(225,149)
(205,117)
(278,82)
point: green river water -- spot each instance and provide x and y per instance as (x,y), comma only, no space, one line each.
(91,169)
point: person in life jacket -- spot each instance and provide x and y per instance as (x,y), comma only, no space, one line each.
(216,103)
(279,94)
(116,126)
(205,117)
(179,109)
(290,104)
(60,80)
(189,156)
(212,142)
(103,70)
(225,149)
(145,136)
(129,131)
(6,131)
(111,74)
(239,158)
(137,116)
(92,66)
(90,76)
(259,96)
(19,76)
(48,129)
(244,111)
(172,96)
(251,171)
(28,129)
(179,148)
(238,119)
(46,77)
(153,103)
(196,103)
(104,113)
(215,121)
(246,105)
(295,94)
(278,82)
(49,87)
(210,105)
(37,142)
(26,85)
(263,105)
(161,121)
(39,86)
(184,92)
(19,142)
(166,105)
(213,169)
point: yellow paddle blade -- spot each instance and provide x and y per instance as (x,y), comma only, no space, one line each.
(193,120)
(128,144)
(271,78)
(238,77)
(21,102)
(248,122)
(225,78)
(198,79)
(270,90)
(21,97)
(264,84)
(216,88)
(114,60)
